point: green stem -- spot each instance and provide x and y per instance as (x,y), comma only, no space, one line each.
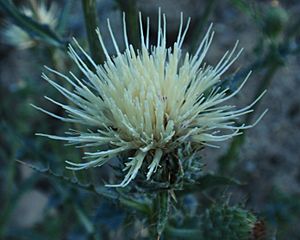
(293,29)
(210,4)
(129,8)
(8,205)
(129,202)
(90,18)
(84,219)
(226,162)
(182,233)
(120,198)
(159,216)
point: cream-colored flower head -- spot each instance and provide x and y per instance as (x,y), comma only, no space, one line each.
(148,102)
(44,14)
(16,36)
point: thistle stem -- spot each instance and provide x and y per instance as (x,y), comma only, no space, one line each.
(226,162)
(183,233)
(158,218)
(8,196)
(129,8)
(210,5)
(90,18)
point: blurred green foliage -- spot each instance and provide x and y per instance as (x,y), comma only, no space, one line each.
(78,206)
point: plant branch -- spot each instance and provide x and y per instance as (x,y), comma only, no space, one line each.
(129,8)
(90,18)
(226,162)
(210,4)
(109,193)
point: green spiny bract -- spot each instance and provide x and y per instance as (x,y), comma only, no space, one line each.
(227,223)
(274,20)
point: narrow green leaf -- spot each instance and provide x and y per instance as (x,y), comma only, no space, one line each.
(242,5)
(182,233)
(210,181)
(134,204)
(163,208)
(83,218)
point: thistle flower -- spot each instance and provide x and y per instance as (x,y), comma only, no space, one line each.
(148,102)
(44,14)
(16,36)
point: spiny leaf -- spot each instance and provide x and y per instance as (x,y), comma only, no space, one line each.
(111,194)
(222,221)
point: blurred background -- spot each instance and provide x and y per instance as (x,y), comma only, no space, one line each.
(266,158)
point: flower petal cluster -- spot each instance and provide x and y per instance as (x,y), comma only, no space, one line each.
(147,102)
(40,12)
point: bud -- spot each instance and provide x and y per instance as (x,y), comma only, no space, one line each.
(274,21)
(226,222)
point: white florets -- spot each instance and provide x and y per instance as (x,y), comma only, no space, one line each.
(16,36)
(154,100)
